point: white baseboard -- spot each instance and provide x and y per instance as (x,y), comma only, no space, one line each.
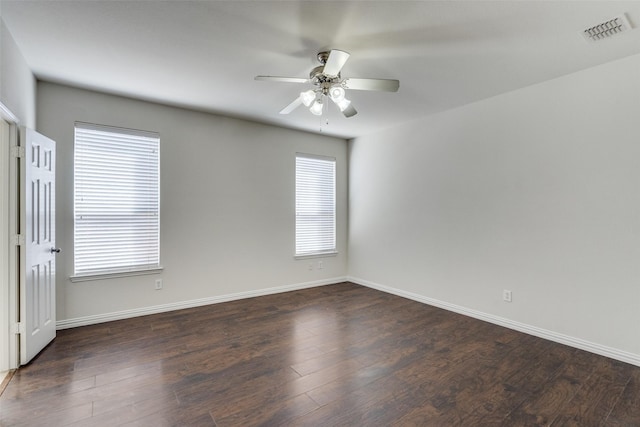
(143,311)
(602,350)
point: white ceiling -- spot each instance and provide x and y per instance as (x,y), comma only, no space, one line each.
(204,55)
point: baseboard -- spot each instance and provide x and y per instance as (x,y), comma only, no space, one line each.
(581,344)
(143,311)
(5,377)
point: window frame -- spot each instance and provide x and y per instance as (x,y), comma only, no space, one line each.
(327,252)
(150,217)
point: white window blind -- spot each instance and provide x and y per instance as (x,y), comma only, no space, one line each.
(315,205)
(117,200)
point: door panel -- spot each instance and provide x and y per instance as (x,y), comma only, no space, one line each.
(37,260)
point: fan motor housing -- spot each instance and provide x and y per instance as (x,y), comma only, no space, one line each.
(318,78)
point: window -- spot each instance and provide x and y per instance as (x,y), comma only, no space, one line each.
(116,201)
(315,205)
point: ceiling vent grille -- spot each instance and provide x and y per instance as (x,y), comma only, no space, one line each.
(604,30)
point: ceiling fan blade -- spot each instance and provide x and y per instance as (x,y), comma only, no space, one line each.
(282,79)
(384,85)
(349,111)
(289,108)
(335,62)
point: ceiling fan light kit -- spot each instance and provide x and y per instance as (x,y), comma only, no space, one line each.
(329,83)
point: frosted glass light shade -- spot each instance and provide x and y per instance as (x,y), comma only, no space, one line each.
(336,93)
(342,104)
(316,108)
(307,97)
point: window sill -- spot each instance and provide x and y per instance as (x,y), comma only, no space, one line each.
(318,255)
(103,276)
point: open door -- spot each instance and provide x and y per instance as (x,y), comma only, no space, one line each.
(38,243)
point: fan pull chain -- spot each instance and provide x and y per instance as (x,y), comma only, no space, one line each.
(322,116)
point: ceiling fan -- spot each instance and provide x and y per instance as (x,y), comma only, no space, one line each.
(329,84)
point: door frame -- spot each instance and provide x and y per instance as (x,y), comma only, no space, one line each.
(9,357)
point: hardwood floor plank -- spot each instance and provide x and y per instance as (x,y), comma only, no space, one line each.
(543,408)
(121,410)
(505,384)
(626,411)
(272,412)
(412,352)
(352,407)
(600,393)
(223,384)
(155,420)
(115,375)
(147,400)
(53,418)
(46,400)
(474,391)
(333,356)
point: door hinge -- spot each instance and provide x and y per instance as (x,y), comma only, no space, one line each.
(18,328)
(17,240)
(17,151)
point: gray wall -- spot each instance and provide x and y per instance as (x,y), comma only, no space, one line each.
(227,203)
(536,191)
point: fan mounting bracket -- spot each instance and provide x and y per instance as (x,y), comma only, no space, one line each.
(322,57)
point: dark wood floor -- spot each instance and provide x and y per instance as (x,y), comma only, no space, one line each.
(340,355)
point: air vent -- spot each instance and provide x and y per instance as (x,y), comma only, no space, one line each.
(602,31)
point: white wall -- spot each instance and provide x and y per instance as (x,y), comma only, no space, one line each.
(536,191)
(17,95)
(227,203)
(17,83)
(5,308)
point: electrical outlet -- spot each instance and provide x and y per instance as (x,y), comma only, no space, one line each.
(320,265)
(506,295)
(158,284)
(310,266)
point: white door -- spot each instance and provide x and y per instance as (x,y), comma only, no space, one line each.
(37,253)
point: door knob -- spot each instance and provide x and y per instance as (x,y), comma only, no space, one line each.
(55,250)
